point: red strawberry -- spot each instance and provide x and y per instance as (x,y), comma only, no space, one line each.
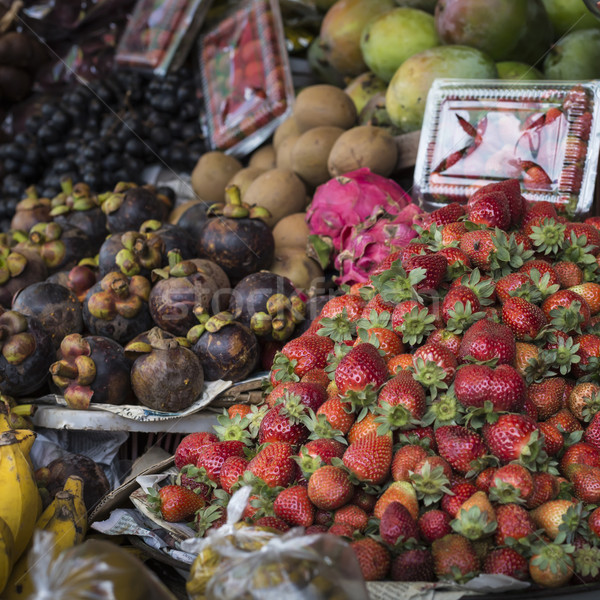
(378,304)
(459,446)
(342,530)
(542,267)
(553,439)
(362,366)
(293,506)
(462,295)
(461,492)
(485,478)
(445,338)
(189,448)
(405,460)
(387,262)
(352,515)
(490,209)
(352,303)
(453,232)
(330,488)
(503,386)
(447,214)
(415,249)
(324,449)
(311,395)
(458,261)
(539,210)
(374,559)
(592,432)
(211,457)
(566,301)
(547,396)
(586,482)
(441,356)
(590,292)
(274,464)
(435,269)
(310,351)
(580,453)
(318,376)
(369,458)
(589,231)
(535,178)
(507,438)
(524,318)
(278,426)
(513,521)
(364,500)
(564,420)
(389,342)
(453,555)
(545,488)
(178,503)
(273,523)
(413,565)
(511,483)
(232,470)
(569,274)
(402,389)
(486,340)
(594,522)
(335,413)
(511,283)
(582,126)
(397,523)
(314,529)
(434,524)
(511,189)
(506,561)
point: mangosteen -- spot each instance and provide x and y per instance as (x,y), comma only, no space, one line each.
(268,304)
(75,206)
(117,307)
(172,236)
(91,369)
(56,308)
(180,294)
(26,353)
(59,247)
(132,253)
(79,279)
(129,205)
(166,376)
(193,219)
(18,269)
(31,210)
(227,349)
(237,238)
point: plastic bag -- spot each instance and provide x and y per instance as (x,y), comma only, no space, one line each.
(238,562)
(94,570)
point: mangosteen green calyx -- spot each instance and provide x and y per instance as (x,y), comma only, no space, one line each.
(129,205)
(227,349)
(59,247)
(76,206)
(18,269)
(236,237)
(181,292)
(132,253)
(26,353)
(166,376)
(92,369)
(117,307)
(56,308)
(268,304)
(31,210)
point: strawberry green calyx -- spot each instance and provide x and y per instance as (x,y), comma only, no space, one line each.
(567,318)
(255,417)
(197,474)
(549,237)
(321,428)
(206,517)
(473,523)
(307,463)
(339,328)
(532,454)
(393,418)
(430,484)
(509,255)
(154,501)
(541,283)
(447,410)
(528,292)
(293,409)
(334,358)
(565,356)
(578,251)
(477,417)
(538,368)
(574,522)
(462,317)
(431,376)
(505,493)
(284,368)
(556,558)
(587,561)
(482,288)
(375,319)
(362,401)
(395,286)
(417,325)
(592,406)
(233,428)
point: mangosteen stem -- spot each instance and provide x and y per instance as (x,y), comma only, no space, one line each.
(31,192)
(174,257)
(218,321)
(64,369)
(120,288)
(66,185)
(36,237)
(150,225)
(233,195)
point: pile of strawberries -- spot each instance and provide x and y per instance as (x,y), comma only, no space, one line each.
(444,417)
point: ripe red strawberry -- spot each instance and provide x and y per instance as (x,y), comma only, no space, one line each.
(342,530)
(362,366)
(547,396)
(447,214)
(337,416)
(293,506)
(403,390)
(545,488)
(397,524)
(405,459)
(387,262)
(311,395)
(507,438)
(177,503)
(592,432)
(415,249)
(318,376)
(454,555)
(539,210)
(413,565)
(565,300)
(511,283)
(352,515)
(401,311)
(453,232)
(352,303)
(506,561)
(590,292)
(513,521)
(485,478)
(511,483)
(310,351)
(189,448)
(594,522)
(329,488)
(535,178)
(440,355)
(461,492)
(274,464)
(434,524)
(273,523)
(458,261)
(478,246)
(211,457)
(369,458)
(511,189)
(278,426)
(586,482)
(542,267)
(553,439)
(524,318)
(232,470)
(389,342)
(564,420)
(568,273)
(459,446)
(503,386)
(490,209)
(435,269)
(374,559)
(239,409)
(486,340)
(459,294)
(364,500)
(324,449)
(589,348)
(580,453)
(378,304)
(589,231)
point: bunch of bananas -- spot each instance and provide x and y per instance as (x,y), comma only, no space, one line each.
(21,513)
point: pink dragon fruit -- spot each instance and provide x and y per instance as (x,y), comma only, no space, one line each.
(365,245)
(348,200)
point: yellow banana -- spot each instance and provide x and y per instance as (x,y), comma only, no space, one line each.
(65,525)
(20,502)
(6,553)
(4,423)
(74,485)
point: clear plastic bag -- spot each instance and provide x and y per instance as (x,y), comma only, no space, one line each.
(237,562)
(94,570)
